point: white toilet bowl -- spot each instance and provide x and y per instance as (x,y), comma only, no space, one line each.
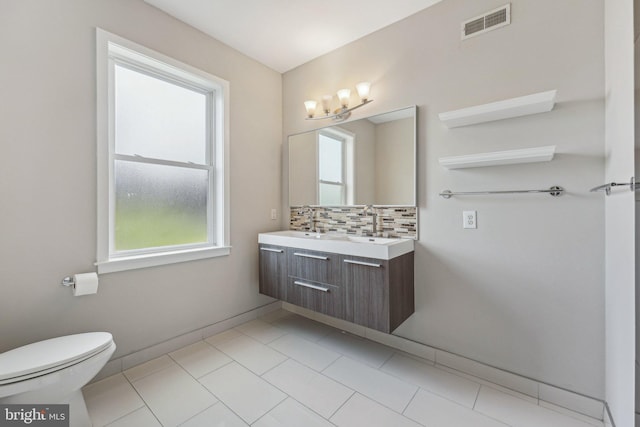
(54,372)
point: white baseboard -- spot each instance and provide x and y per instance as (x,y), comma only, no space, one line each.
(539,391)
(123,363)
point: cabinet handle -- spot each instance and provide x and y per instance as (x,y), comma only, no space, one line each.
(272,250)
(309,285)
(324,258)
(368,264)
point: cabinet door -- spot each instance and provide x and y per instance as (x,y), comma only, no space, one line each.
(401,292)
(366,283)
(273,271)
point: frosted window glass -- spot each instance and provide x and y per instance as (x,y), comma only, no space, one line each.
(158,119)
(329,159)
(158,205)
(331,194)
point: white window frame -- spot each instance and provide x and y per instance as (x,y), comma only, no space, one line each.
(111,50)
(347,182)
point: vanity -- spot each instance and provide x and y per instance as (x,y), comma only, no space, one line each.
(364,280)
(353,221)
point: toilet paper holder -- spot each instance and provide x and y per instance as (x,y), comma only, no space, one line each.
(82,283)
(68,281)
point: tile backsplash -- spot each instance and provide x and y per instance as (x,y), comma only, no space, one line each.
(398,221)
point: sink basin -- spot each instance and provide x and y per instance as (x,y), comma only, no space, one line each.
(361,246)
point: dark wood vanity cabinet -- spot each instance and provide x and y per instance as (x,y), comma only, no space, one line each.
(273,271)
(371,292)
(380,292)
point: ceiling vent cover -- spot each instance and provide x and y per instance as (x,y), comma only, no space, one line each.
(489,21)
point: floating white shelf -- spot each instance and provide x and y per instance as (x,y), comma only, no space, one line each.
(514,107)
(497,158)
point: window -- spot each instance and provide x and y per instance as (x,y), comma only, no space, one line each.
(335,167)
(162,172)
(331,185)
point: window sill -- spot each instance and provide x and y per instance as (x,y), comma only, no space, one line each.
(153,260)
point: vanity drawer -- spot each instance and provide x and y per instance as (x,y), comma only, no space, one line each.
(316,296)
(314,266)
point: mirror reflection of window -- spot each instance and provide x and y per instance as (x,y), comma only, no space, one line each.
(331,183)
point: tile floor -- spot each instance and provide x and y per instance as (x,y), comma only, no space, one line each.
(284,370)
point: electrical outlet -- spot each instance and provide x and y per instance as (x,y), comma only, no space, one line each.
(469,219)
(274,214)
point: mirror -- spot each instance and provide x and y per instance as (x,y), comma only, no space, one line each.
(370,161)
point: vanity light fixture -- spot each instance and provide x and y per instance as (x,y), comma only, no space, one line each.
(343,112)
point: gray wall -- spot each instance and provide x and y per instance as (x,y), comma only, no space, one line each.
(394,162)
(48,178)
(303,176)
(524,292)
(365,160)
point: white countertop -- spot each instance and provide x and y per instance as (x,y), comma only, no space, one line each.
(360,246)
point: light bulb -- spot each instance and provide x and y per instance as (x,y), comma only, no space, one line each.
(363,90)
(326,104)
(343,96)
(310,107)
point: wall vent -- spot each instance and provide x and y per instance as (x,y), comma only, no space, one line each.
(489,21)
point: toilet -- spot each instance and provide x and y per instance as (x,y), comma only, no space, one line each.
(54,371)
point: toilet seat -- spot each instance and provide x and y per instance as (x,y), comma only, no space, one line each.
(51,355)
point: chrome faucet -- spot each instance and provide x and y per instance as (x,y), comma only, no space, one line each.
(374,218)
(310,217)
